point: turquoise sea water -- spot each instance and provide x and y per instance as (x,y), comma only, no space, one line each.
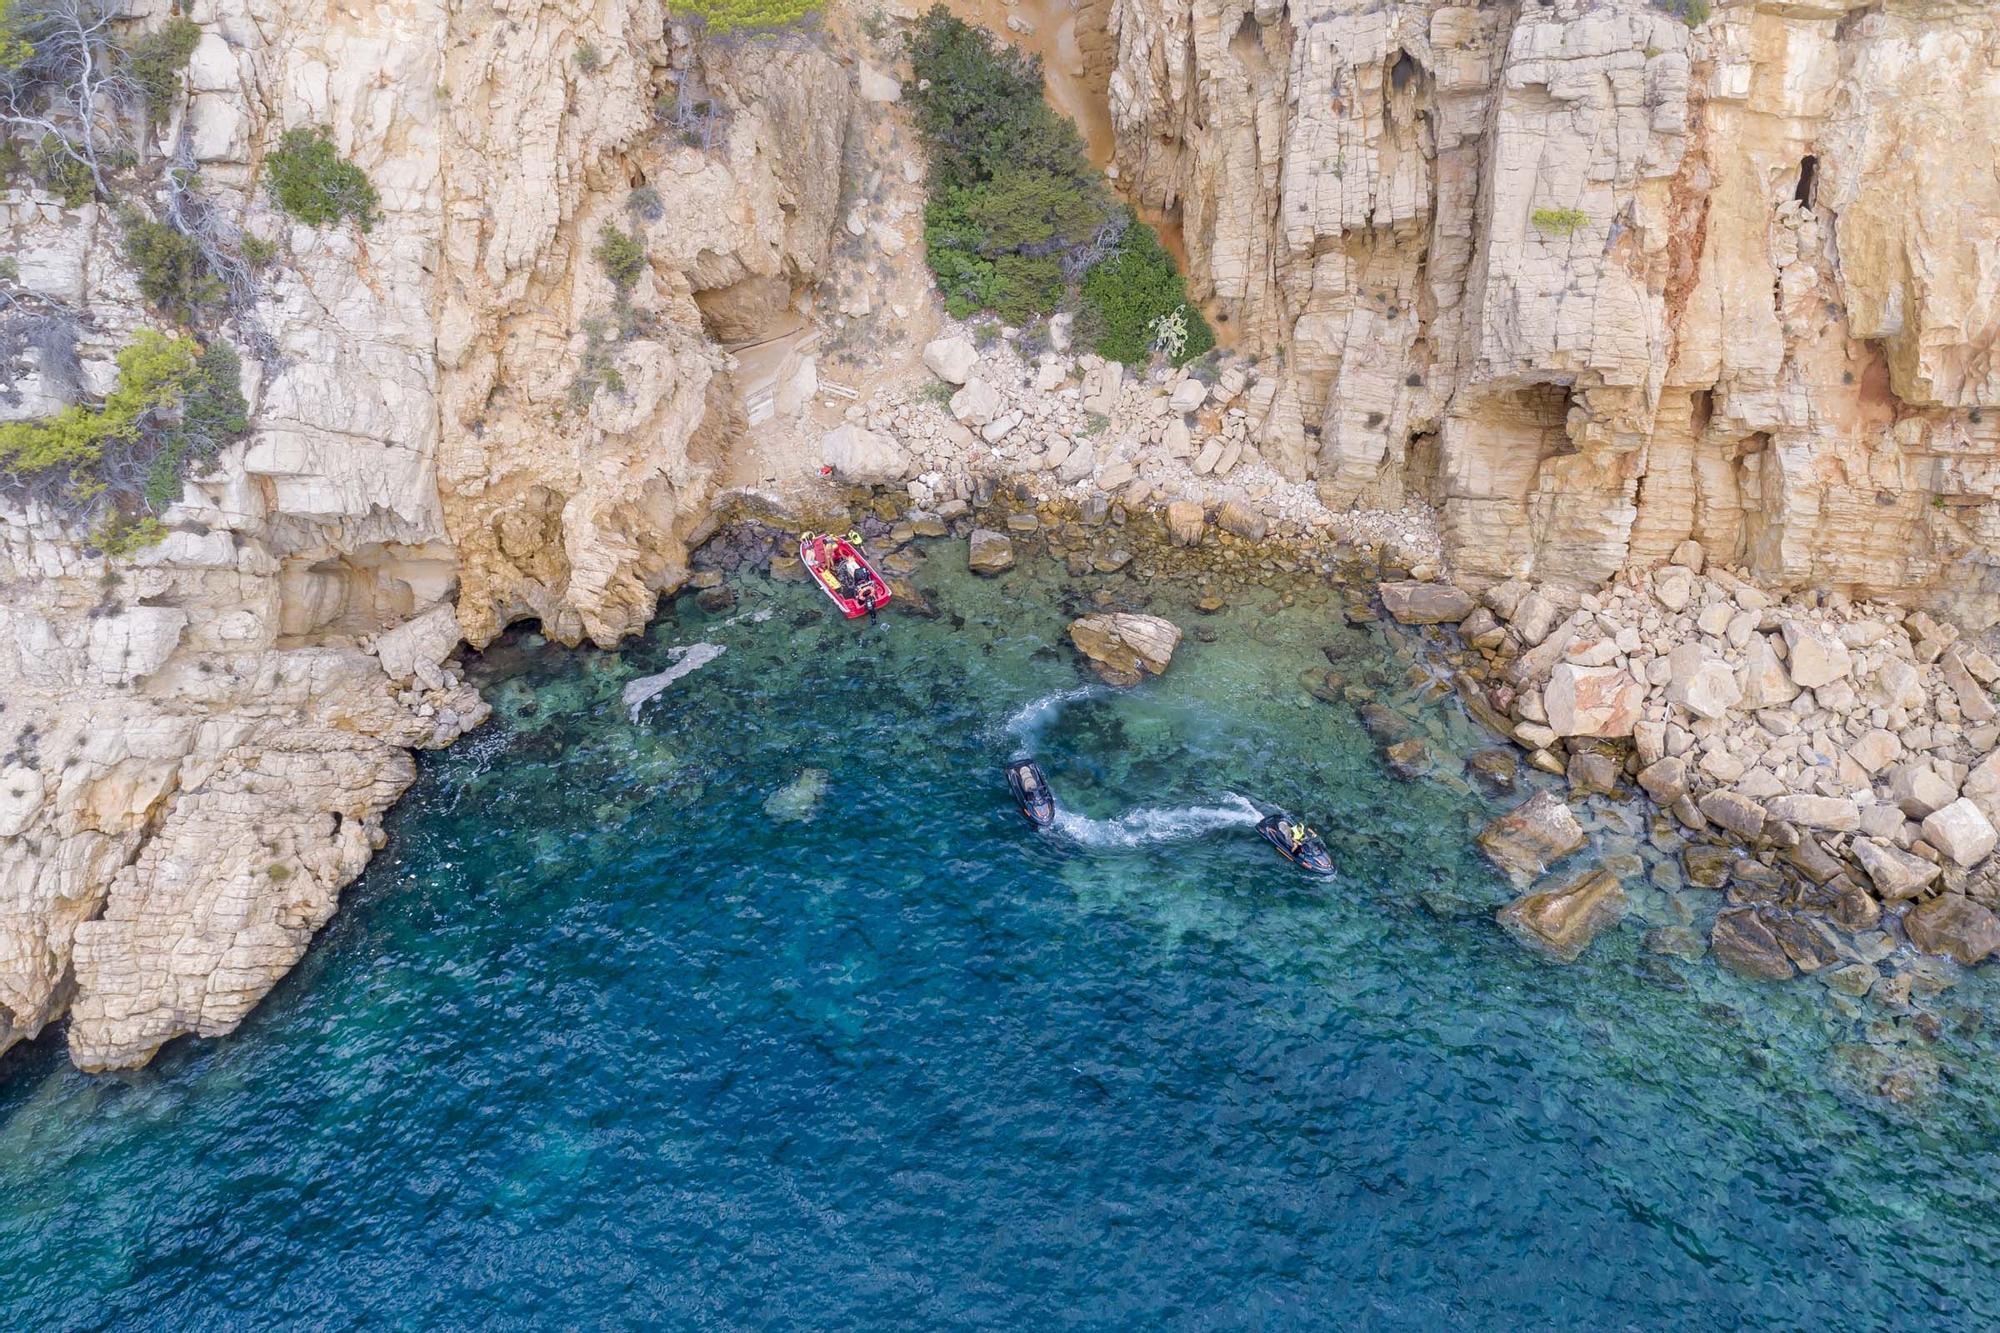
(603,1041)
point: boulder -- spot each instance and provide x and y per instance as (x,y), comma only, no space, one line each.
(1415,603)
(1917,789)
(977,403)
(1955,926)
(1665,780)
(1114,476)
(1739,814)
(1534,616)
(1701,684)
(1562,921)
(1243,521)
(951,359)
(1744,942)
(1809,943)
(1189,394)
(1973,701)
(1762,679)
(863,457)
(1186,521)
(1593,701)
(989,553)
(1816,658)
(1590,772)
(1836,814)
(1876,750)
(1527,838)
(1895,873)
(1960,831)
(1123,645)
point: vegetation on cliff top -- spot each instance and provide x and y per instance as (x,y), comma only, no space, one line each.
(1019,223)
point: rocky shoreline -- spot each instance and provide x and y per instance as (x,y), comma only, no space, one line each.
(1829,767)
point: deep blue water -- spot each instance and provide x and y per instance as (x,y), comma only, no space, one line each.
(600,1042)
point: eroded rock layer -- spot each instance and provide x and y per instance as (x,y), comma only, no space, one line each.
(1595,282)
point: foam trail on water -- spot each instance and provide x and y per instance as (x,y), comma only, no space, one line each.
(1029,721)
(1138,827)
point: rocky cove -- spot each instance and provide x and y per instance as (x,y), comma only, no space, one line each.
(1617,348)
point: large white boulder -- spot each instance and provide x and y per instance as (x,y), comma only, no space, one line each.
(977,403)
(951,359)
(1817,658)
(1960,831)
(1762,678)
(1836,814)
(863,457)
(1703,685)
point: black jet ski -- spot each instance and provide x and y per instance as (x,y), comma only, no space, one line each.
(1031,789)
(1310,854)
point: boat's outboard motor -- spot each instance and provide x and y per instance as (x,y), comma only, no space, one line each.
(1031,791)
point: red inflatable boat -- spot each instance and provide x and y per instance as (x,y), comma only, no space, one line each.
(843,574)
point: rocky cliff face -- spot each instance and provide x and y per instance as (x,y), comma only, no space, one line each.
(1595,282)
(462,423)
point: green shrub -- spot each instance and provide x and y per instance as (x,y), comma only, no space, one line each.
(1025,287)
(59,173)
(158,59)
(173,274)
(14,49)
(152,369)
(257,252)
(588,58)
(119,534)
(623,258)
(727,16)
(213,413)
(308,178)
(1126,294)
(1559,221)
(1694,13)
(174,402)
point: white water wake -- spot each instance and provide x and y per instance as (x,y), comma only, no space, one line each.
(1033,718)
(687,658)
(1147,824)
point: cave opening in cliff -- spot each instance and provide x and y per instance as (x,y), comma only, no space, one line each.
(1808,180)
(1404,70)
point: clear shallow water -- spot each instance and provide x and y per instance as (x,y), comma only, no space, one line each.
(599,1042)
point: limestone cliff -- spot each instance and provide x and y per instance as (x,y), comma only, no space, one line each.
(1594,281)
(460,422)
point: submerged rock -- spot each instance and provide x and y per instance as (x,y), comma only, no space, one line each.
(1123,645)
(1527,838)
(1955,926)
(1745,943)
(798,800)
(989,553)
(1562,920)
